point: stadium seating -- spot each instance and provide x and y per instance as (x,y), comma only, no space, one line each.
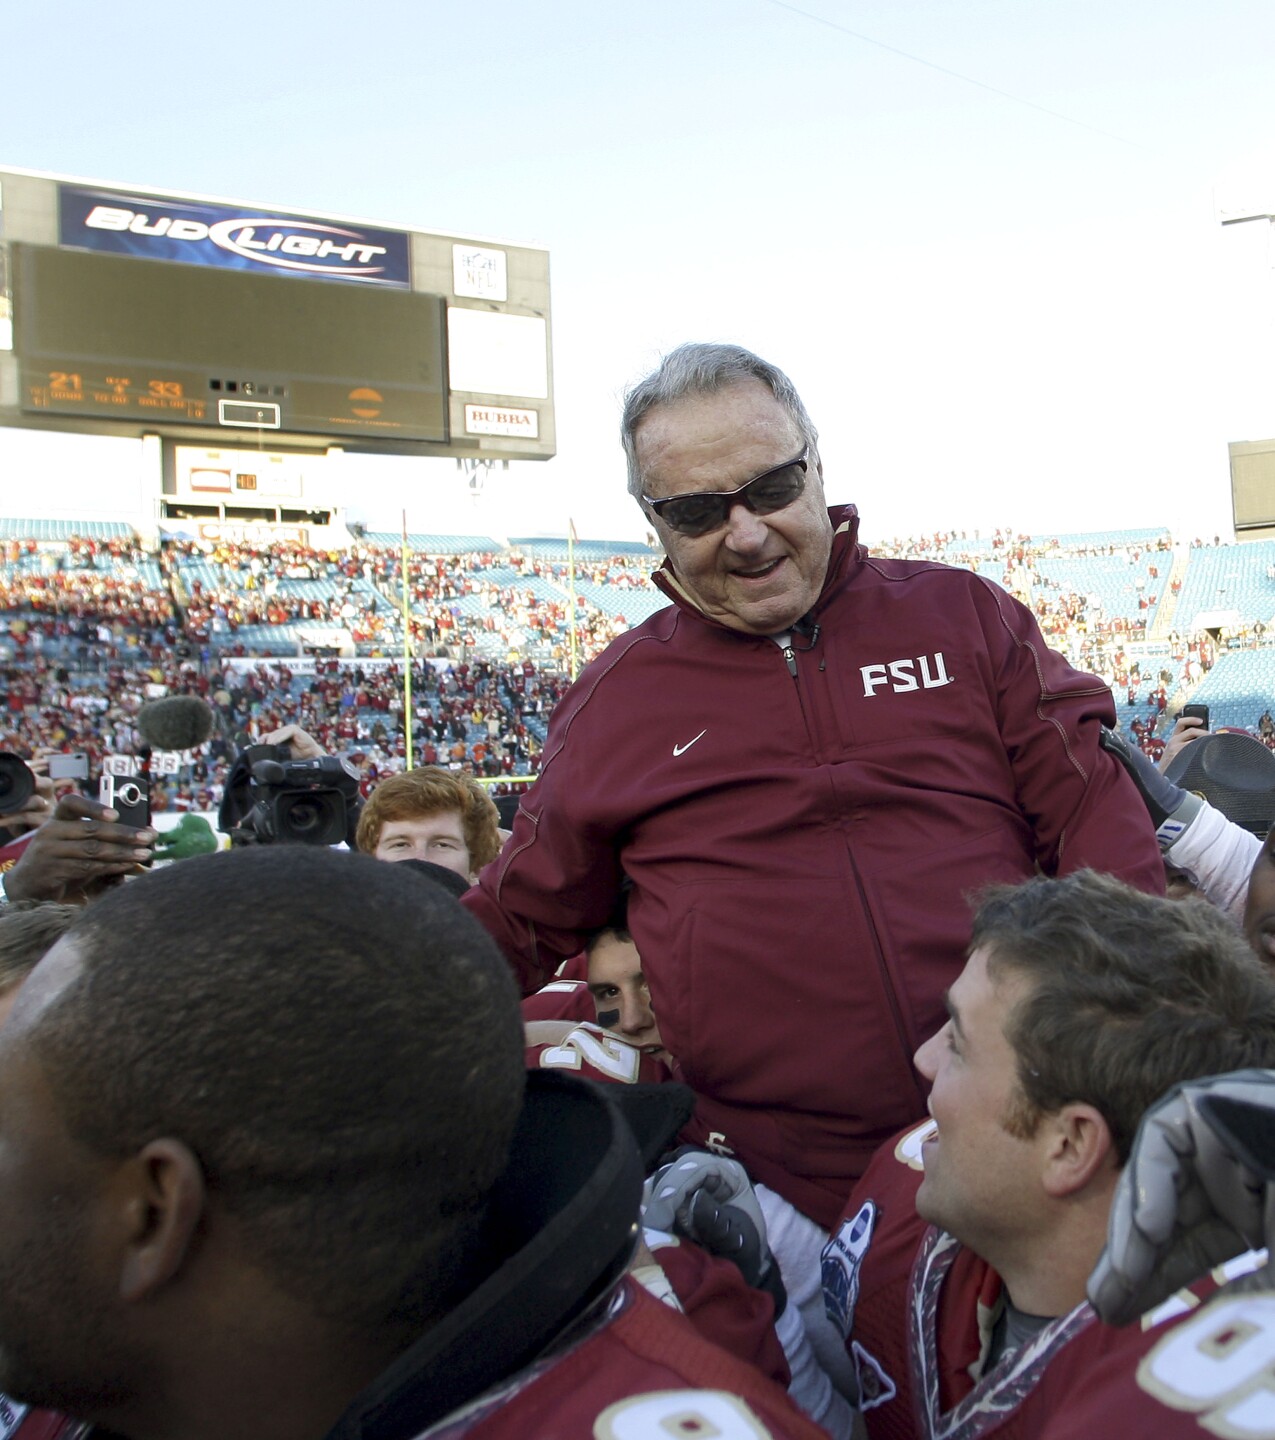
(1115,583)
(42,530)
(586,551)
(1228,578)
(1239,687)
(1110,539)
(422,544)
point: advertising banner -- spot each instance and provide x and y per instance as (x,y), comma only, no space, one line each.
(231,238)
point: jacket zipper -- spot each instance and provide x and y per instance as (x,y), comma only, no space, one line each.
(887,984)
(883,968)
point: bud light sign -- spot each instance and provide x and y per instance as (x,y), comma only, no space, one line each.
(231,238)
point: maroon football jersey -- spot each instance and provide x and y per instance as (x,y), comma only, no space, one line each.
(714,1296)
(916,1310)
(19,1422)
(560,999)
(589,1050)
(647,1372)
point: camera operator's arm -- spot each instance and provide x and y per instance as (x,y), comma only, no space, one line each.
(301,744)
(75,852)
(1216,853)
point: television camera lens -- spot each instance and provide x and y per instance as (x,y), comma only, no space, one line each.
(17,784)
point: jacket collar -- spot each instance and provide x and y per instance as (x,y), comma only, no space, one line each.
(564,1221)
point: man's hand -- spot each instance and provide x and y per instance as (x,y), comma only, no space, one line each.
(77,851)
(1197,1191)
(710,1200)
(1185,729)
(300,742)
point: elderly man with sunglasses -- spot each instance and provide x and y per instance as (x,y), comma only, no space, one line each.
(804,765)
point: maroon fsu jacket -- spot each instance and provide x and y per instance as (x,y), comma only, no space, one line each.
(803,827)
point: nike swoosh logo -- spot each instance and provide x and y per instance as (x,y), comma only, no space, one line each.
(682,749)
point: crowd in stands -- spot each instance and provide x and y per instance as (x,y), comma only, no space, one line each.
(93,627)
(84,593)
(482,718)
(230,586)
(474,602)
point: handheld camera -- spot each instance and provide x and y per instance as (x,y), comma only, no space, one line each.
(129,796)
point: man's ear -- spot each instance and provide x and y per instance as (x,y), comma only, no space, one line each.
(1078,1146)
(162,1202)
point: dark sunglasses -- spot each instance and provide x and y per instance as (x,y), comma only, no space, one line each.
(707,510)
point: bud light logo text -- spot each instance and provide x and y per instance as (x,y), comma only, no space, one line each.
(198,233)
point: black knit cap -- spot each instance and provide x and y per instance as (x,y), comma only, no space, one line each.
(1234,773)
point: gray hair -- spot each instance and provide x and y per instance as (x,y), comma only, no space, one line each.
(703,369)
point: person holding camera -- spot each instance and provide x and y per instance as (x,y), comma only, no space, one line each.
(78,851)
(66,851)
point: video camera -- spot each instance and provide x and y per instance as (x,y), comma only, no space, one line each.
(17,784)
(271,799)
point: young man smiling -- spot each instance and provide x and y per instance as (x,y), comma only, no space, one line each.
(958,1276)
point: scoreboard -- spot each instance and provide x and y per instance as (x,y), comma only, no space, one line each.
(107,336)
(153,313)
(1253,488)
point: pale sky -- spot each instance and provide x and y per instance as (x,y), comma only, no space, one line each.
(980,236)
